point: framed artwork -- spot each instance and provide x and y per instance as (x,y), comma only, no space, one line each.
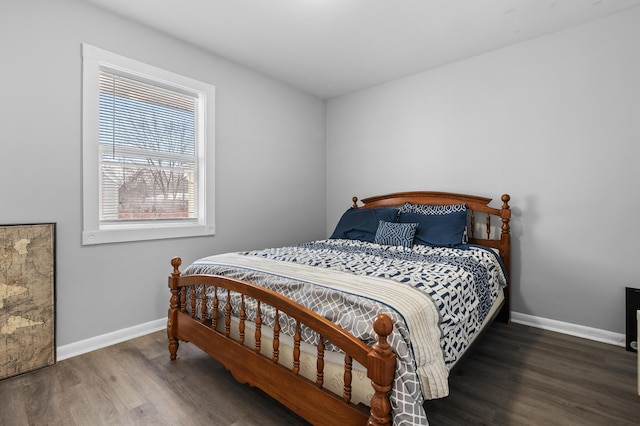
(27,298)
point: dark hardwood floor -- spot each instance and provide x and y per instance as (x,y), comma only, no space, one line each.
(516,375)
(520,375)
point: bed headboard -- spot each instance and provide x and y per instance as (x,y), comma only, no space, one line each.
(486,226)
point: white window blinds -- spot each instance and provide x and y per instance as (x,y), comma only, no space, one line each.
(148,149)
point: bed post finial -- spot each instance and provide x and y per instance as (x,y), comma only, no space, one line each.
(355,202)
(174,306)
(506,214)
(381,370)
(176,262)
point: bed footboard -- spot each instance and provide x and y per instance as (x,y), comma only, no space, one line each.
(189,320)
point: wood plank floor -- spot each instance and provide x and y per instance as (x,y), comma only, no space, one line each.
(516,375)
(520,375)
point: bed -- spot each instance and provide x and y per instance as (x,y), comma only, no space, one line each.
(362,327)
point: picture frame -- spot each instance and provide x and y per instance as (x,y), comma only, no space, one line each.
(27,298)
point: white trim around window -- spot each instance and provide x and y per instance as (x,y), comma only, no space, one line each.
(201,220)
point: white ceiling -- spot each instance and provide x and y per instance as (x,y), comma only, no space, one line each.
(331,47)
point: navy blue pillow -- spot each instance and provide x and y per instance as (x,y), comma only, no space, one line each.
(439,230)
(362,224)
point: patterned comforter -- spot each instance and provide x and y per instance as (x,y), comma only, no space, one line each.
(436,297)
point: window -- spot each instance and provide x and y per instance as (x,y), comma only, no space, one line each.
(147,151)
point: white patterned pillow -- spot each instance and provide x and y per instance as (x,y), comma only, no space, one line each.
(432,209)
(395,234)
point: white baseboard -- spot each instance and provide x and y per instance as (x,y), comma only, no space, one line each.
(104,340)
(590,333)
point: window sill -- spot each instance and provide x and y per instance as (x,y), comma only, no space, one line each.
(106,236)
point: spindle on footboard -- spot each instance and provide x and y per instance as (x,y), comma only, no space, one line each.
(189,316)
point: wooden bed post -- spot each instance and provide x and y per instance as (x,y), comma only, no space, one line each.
(505,241)
(174,306)
(381,370)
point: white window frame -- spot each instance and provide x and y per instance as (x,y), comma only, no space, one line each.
(94,232)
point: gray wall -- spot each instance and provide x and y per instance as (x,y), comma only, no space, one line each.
(555,122)
(557,118)
(270,160)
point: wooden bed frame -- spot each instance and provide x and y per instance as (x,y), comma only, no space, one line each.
(307,398)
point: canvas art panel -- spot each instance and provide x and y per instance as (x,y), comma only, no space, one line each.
(27,298)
